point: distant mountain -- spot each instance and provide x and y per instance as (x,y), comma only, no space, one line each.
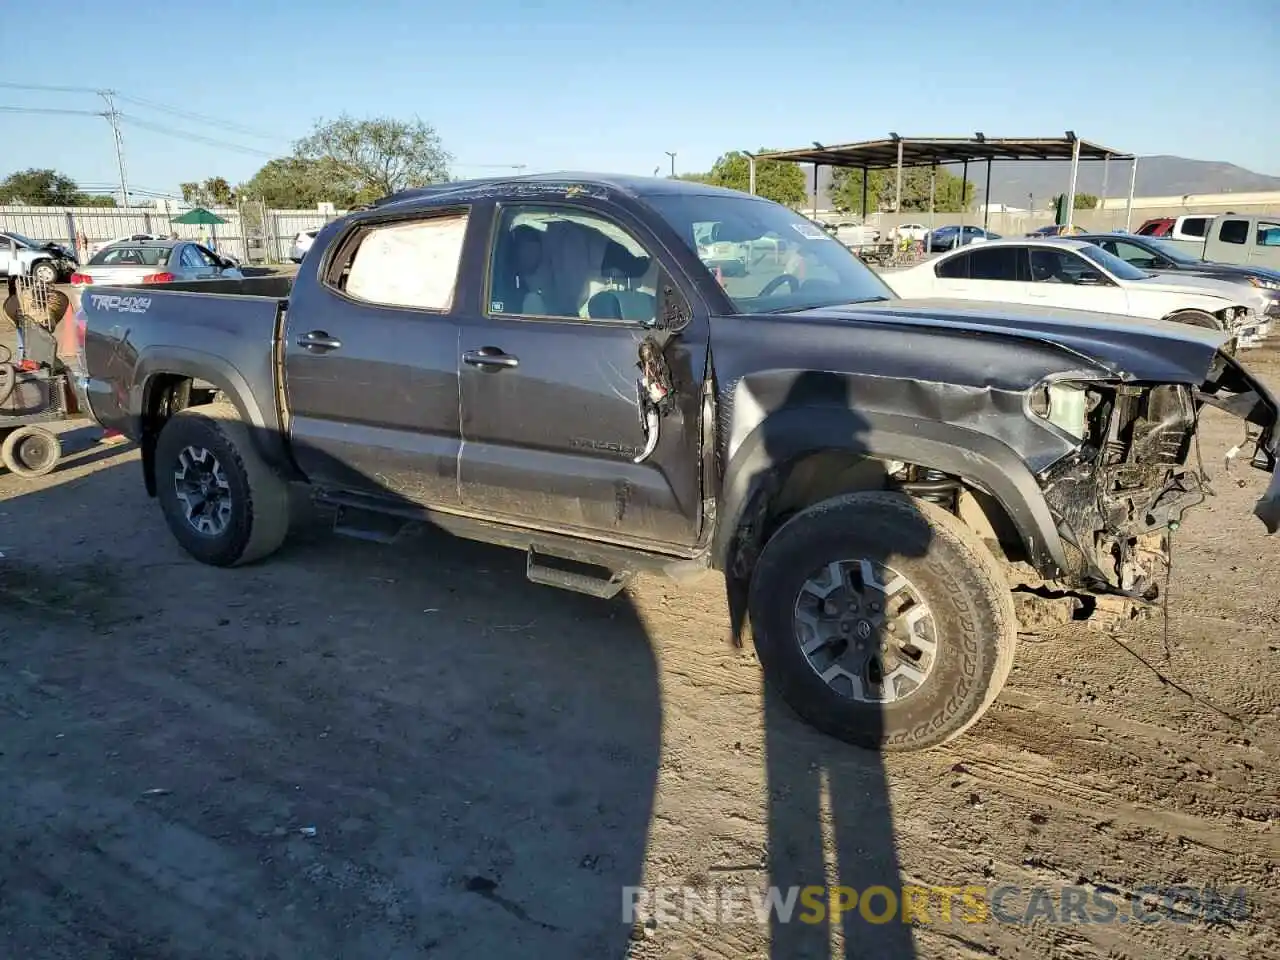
(1158,176)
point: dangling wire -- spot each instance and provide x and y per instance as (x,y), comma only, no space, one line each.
(1168,580)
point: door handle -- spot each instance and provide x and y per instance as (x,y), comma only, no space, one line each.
(317,341)
(491,358)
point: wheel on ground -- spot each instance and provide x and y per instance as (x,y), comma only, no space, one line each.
(45,272)
(31,451)
(882,620)
(223,503)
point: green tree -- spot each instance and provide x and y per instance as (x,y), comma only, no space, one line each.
(38,188)
(291,183)
(381,154)
(1084,201)
(882,190)
(94,200)
(775,179)
(846,189)
(212,192)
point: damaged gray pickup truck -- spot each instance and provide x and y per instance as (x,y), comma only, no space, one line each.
(563,365)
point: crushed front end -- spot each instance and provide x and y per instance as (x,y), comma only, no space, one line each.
(1118,497)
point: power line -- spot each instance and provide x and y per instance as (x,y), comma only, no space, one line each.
(79,113)
(187,135)
(198,117)
(46,87)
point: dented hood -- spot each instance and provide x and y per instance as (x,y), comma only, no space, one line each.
(1130,348)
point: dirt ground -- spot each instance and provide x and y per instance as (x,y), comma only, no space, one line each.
(359,751)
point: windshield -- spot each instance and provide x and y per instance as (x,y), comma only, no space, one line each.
(1169,251)
(131,257)
(25,241)
(1113,264)
(767,258)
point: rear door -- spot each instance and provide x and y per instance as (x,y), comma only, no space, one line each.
(986,273)
(551,422)
(371,359)
(8,253)
(1265,251)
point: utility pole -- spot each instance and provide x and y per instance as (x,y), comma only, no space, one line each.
(113,118)
(671,154)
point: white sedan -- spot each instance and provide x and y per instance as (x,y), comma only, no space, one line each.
(1080,276)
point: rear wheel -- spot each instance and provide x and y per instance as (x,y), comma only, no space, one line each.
(31,451)
(882,621)
(221,500)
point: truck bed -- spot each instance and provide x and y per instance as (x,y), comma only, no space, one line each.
(222,332)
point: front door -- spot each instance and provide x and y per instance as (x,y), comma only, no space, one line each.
(551,422)
(371,361)
(1062,278)
(8,254)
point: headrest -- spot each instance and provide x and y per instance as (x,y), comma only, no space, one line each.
(617,259)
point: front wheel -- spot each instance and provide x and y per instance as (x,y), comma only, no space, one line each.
(45,272)
(882,621)
(223,503)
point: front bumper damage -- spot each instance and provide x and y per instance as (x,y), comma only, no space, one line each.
(1120,496)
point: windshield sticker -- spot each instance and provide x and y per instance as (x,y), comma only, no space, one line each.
(810,231)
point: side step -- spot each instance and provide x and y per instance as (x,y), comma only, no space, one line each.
(368,524)
(580,582)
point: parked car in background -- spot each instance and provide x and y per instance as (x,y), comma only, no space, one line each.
(1162,256)
(1251,240)
(22,256)
(854,234)
(950,237)
(1056,230)
(301,244)
(1071,274)
(912,231)
(154,261)
(1191,227)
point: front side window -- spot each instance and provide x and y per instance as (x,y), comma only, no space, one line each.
(1049,265)
(569,263)
(190,259)
(412,264)
(1268,234)
(768,258)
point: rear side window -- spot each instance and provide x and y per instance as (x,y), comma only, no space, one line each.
(994,263)
(957,268)
(1195,226)
(411,264)
(1234,231)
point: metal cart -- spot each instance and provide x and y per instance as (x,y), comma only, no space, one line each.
(33,384)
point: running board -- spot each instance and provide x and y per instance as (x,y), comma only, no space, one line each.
(605,588)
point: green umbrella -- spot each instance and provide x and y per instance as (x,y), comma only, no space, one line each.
(202,217)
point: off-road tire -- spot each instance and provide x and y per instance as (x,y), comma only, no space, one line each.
(259,496)
(31,452)
(958,577)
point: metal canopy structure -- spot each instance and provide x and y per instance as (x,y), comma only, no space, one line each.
(899,153)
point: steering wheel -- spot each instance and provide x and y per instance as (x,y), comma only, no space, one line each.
(788,278)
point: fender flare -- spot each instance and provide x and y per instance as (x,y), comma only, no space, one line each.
(978,459)
(265,431)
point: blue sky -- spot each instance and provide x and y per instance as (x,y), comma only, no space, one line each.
(610,85)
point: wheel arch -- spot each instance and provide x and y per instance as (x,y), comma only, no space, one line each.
(165,381)
(765,463)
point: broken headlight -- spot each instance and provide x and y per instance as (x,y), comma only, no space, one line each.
(1063,404)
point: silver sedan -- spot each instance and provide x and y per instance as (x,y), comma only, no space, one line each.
(154,261)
